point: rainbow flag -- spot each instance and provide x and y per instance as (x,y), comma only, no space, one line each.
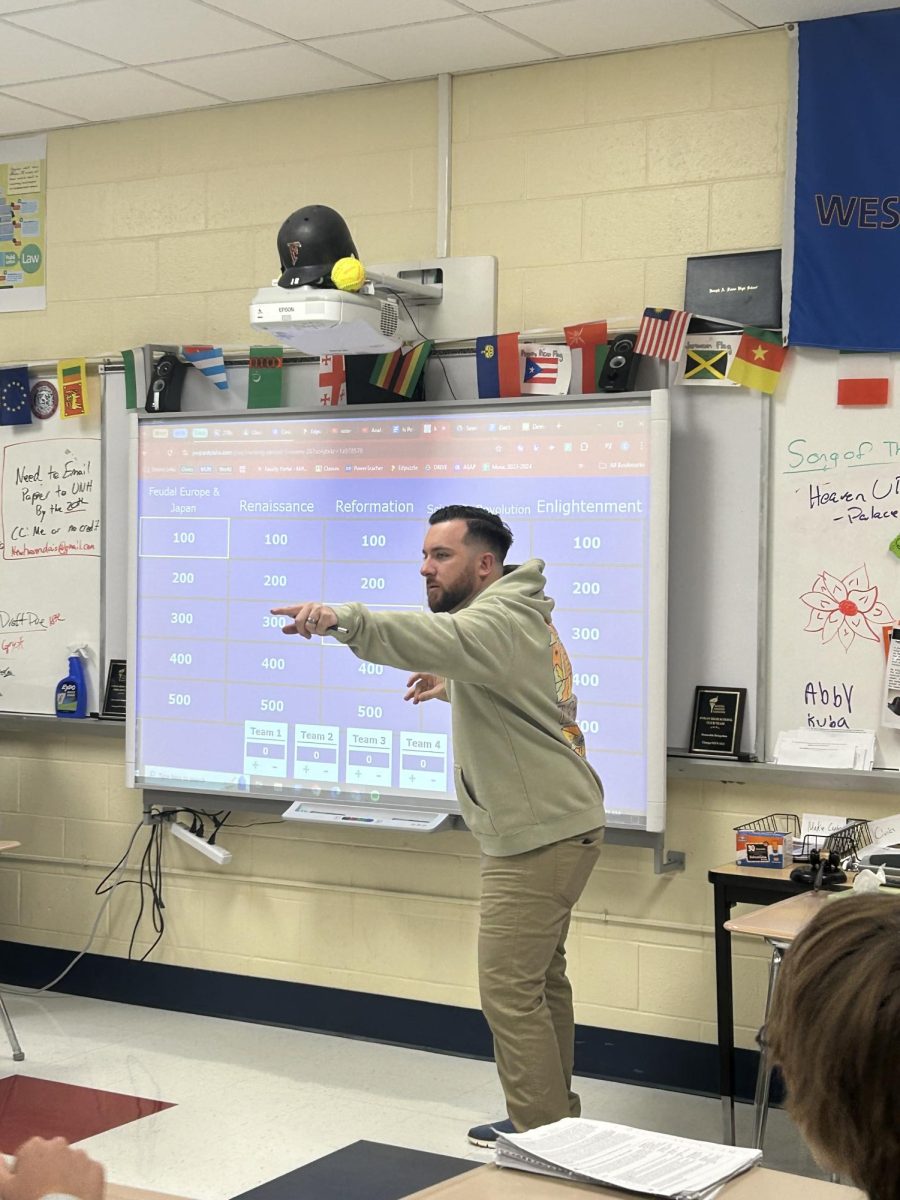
(384,368)
(411,369)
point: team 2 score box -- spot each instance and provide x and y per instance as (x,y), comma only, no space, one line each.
(769,849)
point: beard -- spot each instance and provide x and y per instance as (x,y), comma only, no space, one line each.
(448,599)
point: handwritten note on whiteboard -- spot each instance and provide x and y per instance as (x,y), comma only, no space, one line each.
(49,563)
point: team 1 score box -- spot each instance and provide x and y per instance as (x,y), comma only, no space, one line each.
(764,849)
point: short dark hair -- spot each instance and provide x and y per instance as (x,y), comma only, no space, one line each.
(834,1028)
(482,526)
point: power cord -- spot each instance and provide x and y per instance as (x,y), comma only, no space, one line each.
(118,870)
(397,295)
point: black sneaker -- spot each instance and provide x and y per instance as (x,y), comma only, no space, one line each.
(486,1135)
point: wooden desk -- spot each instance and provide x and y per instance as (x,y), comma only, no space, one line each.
(118,1191)
(737,885)
(494,1183)
(779,924)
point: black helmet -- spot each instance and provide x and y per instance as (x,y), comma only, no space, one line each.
(310,242)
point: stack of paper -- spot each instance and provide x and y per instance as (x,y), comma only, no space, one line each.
(850,749)
(620,1156)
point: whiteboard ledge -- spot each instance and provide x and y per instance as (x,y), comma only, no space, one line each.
(690,766)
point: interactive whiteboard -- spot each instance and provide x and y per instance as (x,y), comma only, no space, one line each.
(238,512)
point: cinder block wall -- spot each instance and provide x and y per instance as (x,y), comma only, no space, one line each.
(591,181)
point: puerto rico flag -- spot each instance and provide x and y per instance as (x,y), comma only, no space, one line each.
(544,370)
(662,333)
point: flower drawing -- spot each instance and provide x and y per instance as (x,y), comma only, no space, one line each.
(846,608)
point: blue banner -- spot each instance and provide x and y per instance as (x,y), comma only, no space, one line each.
(844,291)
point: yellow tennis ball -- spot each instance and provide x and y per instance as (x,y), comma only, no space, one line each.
(348,274)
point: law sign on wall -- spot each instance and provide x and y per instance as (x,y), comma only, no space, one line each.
(23,223)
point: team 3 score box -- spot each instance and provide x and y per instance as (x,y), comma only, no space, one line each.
(769,849)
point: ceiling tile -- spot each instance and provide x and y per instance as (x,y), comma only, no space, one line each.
(28,56)
(778,12)
(592,27)
(144,33)
(8,6)
(305,21)
(487,6)
(112,95)
(260,74)
(464,44)
(18,117)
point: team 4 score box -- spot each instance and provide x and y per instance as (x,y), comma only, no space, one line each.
(768,849)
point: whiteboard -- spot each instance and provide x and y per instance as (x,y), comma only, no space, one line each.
(717,592)
(835,510)
(229,506)
(51,531)
(717,555)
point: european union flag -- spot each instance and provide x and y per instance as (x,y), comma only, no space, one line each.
(14,390)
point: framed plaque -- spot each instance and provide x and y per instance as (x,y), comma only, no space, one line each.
(718,720)
(114,693)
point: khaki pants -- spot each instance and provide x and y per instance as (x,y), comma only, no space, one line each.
(526,905)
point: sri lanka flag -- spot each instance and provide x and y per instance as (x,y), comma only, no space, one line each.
(497,363)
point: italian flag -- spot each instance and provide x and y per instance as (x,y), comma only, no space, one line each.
(758,361)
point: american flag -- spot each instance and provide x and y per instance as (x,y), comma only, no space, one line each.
(662,332)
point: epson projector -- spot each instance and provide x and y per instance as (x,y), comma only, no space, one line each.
(325,321)
(400,304)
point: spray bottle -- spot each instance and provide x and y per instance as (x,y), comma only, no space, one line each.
(71,691)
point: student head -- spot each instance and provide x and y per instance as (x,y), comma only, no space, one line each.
(834,1029)
(463,553)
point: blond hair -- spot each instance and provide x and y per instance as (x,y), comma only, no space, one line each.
(834,1030)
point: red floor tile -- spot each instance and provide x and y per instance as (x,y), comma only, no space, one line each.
(41,1108)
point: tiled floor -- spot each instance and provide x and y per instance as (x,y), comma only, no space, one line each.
(252,1102)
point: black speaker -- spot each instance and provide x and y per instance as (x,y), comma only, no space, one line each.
(164,393)
(617,374)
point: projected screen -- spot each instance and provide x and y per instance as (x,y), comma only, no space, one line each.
(240,513)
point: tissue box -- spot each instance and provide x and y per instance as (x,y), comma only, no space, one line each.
(756,848)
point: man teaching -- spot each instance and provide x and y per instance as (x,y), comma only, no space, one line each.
(524,786)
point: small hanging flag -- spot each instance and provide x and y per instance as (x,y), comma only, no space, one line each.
(545,370)
(411,368)
(71,376)
(863,379)
(589,349)
(759,359)
(14,406)
(332,380)
(383,369)
(265,377)
(497,363)
(137,364)
(662,332)
(209,361)
(706,359)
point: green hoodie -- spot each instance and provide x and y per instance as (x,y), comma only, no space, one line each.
(521,778)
